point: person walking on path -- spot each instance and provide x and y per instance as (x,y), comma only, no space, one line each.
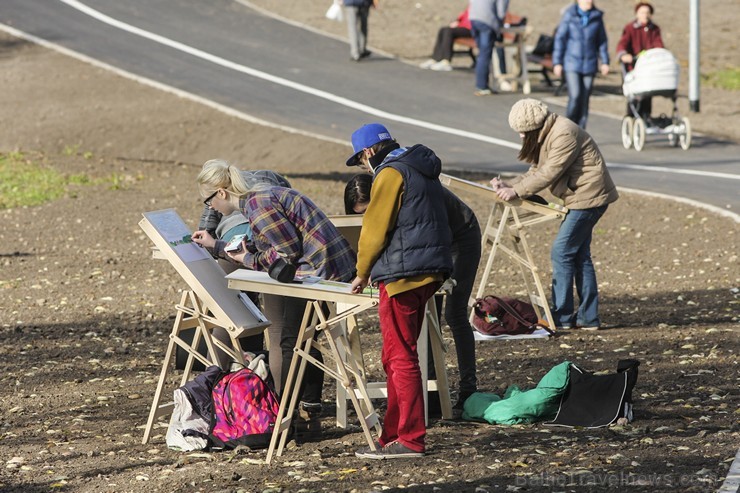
(357,12)
(566,161)
(486,20)
(580,43)
(443,47)
(404,249)
(466,252)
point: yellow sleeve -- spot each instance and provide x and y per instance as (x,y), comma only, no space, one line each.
(380,218)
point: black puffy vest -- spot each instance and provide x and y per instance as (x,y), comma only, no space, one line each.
(420,241)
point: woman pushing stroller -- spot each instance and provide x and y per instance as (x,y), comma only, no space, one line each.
(639,35)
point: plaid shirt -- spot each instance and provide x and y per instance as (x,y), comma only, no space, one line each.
(286,222)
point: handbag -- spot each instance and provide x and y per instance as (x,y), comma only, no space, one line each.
(593,401)
(282,270)
(545,45)
(495,316)
(334,12)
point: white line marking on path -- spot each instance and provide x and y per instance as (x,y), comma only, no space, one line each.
(280,80)
(312,91)
(677,171)
(695,203)
(258,121)
(166,88)
(333,97)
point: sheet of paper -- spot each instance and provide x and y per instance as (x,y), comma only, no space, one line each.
(177,234)
(537,334)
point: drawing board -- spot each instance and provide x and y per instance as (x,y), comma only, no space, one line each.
(200,271)
(506,232)
(349,225)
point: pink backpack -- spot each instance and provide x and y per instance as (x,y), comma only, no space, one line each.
(244,411)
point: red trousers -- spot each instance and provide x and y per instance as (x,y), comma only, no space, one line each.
(401,317)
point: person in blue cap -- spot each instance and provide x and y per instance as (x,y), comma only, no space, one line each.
(466,252)
(404,249)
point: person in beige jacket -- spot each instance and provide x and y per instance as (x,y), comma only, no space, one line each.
(566,161)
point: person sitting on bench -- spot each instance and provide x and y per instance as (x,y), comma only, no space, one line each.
(443,47)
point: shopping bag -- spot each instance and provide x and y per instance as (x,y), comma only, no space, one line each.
(334,12)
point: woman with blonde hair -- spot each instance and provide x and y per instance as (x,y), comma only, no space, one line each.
(285,225)
(216,223)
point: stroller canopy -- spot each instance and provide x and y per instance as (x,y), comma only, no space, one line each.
(655,71)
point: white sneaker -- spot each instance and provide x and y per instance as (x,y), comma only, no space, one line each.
(505,85)
(427,63)
(442,66)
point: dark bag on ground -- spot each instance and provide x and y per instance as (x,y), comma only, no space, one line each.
(545,45)
(593,401)
(496,316)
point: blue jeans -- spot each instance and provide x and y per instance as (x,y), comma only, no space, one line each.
(485,37)
(579,92)
(571,259)
(357,29)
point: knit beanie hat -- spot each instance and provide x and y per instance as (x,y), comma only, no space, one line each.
(527,114)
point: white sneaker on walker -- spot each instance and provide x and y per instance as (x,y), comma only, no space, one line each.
(427,63)
(504,85)
(442,66)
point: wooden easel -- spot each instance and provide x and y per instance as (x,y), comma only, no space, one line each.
(431,335)
(207,306)
(506,231)
(333,345)
(346,372)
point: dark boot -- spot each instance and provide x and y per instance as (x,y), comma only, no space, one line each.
(307,422)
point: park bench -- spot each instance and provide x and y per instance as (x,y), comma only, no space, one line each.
(543,65)
(466,46)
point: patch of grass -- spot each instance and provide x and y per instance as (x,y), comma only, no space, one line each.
(728,79)
(71,150)
(25,183)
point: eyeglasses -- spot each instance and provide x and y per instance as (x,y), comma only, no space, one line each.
(207,201)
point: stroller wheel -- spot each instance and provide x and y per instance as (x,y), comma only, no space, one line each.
(627,125)
(685,137)
(638,134)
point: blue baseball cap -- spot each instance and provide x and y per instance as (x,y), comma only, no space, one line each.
(367,136)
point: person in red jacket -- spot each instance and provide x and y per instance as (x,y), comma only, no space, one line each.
(638,36)
(446,36)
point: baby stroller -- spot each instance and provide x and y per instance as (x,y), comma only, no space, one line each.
(655,74)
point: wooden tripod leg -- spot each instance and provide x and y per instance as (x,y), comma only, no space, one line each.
(438,357)
(538,299)
(348,371)
(290,390)
(353,350)
(495,242)
(155,410)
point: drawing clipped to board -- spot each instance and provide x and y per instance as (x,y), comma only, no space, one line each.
(172,228)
